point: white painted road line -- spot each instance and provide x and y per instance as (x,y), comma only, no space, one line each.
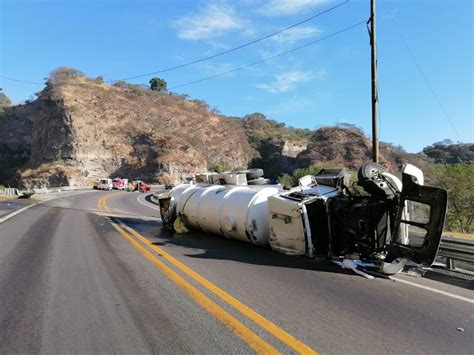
(148,204)
(13,214)
(452,295)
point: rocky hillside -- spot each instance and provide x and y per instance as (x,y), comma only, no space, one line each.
(448,152)
(16,127)
(80,129)
(277,145)
(4,101)
(347,146)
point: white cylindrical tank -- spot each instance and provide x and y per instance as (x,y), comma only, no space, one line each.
(238,212)
(244,214)
(189,202)
(177,191)
(190,216)
(209,207)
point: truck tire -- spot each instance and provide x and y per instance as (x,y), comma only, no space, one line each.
(372,181)
(369,170)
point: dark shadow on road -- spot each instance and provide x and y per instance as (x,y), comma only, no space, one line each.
(206,246)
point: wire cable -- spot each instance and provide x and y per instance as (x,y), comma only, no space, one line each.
(235,48)
(20,81)
(269,58)
(425,78)
(204,58)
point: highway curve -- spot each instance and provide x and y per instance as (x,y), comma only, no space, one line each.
(94,272)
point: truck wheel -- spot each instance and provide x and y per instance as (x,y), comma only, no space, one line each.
(372,181)
(370,171)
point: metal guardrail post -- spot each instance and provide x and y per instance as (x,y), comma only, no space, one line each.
(456,249)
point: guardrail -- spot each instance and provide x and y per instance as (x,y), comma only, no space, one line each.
(61,189)
(456,249)
(154,198)
(10,191)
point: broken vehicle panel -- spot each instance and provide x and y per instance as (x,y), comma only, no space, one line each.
(392,222)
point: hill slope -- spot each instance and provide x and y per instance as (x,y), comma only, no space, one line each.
(81,129)
(93,130)
(348,146)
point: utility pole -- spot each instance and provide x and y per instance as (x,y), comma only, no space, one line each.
(373,57)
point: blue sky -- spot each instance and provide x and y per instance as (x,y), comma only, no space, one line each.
(322,84)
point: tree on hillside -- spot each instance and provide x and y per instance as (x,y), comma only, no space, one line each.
(158,84)
(447,152)
(4,101)
(63,74)
(458,180)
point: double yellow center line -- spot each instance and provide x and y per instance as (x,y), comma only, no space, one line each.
(145,247)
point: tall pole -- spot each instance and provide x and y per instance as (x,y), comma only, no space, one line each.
(375,134)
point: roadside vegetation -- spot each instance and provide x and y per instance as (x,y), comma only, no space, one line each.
(458,180)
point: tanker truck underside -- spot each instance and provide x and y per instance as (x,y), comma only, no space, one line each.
(386,224)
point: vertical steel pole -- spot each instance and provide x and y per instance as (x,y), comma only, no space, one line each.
(375,135)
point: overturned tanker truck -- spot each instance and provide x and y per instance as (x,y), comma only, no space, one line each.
(389,222)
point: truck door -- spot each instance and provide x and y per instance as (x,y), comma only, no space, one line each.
(424,222)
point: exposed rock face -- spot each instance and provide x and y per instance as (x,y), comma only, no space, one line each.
(273,158)
(277,145)
(293,149)
(95,130)
(16,129)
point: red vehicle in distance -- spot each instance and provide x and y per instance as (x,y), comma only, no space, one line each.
(138,185)
(119,183)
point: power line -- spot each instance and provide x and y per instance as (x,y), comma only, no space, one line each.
(425,78)
(235,48)
(204,58)
(20,81)
(269,58)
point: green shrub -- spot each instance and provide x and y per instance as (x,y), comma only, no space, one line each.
(220,167)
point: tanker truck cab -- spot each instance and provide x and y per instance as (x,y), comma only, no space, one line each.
(394,221)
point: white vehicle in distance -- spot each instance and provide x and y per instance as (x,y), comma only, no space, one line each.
(105,184)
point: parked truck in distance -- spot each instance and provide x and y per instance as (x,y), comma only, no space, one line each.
(120,183)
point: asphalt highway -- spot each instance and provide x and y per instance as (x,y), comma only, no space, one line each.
(95,272)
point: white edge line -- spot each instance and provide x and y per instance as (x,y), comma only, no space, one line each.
(452,295)
(13,214)
(146,203)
